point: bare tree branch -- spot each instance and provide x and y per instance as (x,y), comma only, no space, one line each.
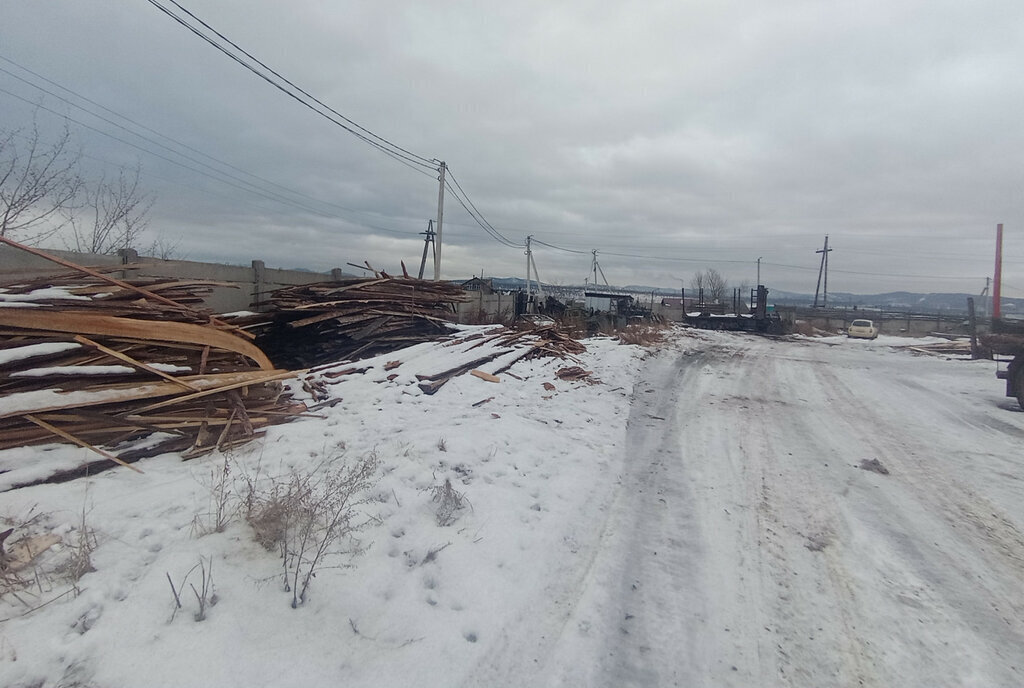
(38,182)
(713,284)
(113,214)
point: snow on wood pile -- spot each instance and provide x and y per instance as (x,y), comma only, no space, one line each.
(128,370)
(484,351)
(313,324)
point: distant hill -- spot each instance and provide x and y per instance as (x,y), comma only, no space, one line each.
(899,301)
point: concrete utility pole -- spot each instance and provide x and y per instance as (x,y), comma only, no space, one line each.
(822,269)
(536,276)
(985,297)
(997,281)
(597,268)
(529,290)
(442,168)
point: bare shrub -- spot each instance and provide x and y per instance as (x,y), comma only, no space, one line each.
(442,445)
(449,502)
(32,564)
(222,507)
(82,548)
(205,595)
(642,335)
(310,516)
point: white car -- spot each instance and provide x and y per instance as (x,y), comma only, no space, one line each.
(862,329)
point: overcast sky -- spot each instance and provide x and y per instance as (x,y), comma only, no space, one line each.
(680,135)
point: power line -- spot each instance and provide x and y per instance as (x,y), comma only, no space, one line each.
(477,215)
(290,89)
(493,233)
(159,134)
(559,248)
(430,161)
(380,143)
(245,186)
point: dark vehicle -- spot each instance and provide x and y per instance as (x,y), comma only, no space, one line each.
(1007,344)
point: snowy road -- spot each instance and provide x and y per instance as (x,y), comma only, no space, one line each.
(744,544)
(701,517)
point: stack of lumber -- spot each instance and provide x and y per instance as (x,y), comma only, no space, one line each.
(959,347)
(129,369)
(313,324)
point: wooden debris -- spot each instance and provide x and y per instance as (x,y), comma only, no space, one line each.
(487,377)
(105,363)
(1003,344)
(313,324)
(573,373)
(950,348)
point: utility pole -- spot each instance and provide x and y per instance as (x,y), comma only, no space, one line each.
(529,290)
(985,301)
(428,241)
(536,276)
(822,269)
(597,268)
(442,168)
(997,279)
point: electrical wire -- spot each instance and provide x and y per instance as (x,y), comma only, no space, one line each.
(429,161)
(159,134)
(244,186)
(560,248)
(494,234)
(383,145)
(476,214)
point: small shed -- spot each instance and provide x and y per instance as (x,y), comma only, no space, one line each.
(479,284)
(607,302)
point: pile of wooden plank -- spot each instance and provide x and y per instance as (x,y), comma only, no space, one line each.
(508,347)
(129,369)
(959,347)
(354,318)
(485,353)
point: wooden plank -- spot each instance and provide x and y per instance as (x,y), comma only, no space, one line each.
(487,377)
(215,390)
(111,280)
(71,438)
(135,364)
(152,331)
(97,396)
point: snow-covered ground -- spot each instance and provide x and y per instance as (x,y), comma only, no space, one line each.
(700,517)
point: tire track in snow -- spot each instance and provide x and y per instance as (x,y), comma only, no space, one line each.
(779,561)
(923,539)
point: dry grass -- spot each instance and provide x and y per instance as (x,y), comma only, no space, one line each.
(310,516)
(642,335)
(222,506)
(449,502)
(808,330)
